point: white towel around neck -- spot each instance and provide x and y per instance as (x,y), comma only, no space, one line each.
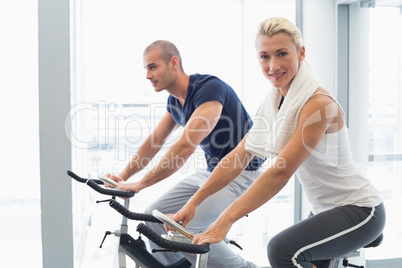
(272,129)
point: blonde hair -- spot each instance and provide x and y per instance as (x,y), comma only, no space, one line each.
(275,25)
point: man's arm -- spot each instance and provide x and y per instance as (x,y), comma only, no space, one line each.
(198,127)
(150,147)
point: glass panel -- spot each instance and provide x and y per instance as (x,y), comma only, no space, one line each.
(115,108)
(385,118)
(19,139)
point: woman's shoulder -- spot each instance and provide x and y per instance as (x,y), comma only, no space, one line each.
(323,107)
(320,99)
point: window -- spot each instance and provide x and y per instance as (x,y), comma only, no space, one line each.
(385,121)
(115,108)
(19,135)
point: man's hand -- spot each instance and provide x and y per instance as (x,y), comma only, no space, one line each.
(125,186)
(184,215)
(113,177)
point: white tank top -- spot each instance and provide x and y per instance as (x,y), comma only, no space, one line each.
(330,177)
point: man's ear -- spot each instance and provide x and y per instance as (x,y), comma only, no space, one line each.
(175,62)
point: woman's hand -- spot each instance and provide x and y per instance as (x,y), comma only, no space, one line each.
(215,233)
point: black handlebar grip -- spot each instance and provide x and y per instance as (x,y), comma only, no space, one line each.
(106,191)
(132,215)
(172,245)
(79,179)
(76,177)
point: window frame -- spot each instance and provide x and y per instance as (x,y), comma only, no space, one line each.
(351,73)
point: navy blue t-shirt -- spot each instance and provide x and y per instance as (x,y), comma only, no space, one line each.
(233,124)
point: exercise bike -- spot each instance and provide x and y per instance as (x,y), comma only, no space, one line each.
(135,248)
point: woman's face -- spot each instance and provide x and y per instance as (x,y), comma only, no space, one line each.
(279,59)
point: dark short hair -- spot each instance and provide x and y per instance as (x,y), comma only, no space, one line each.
(168,49)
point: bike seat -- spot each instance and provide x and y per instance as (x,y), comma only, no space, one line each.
(376,242)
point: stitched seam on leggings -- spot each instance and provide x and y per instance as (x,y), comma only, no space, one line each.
(331,238)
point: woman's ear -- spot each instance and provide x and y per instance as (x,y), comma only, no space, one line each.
(302,53)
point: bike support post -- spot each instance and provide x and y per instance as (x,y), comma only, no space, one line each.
(201,261)
(123,230)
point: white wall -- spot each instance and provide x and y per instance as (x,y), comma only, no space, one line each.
(319,39)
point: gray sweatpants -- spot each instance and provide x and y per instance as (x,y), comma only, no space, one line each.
(173,200)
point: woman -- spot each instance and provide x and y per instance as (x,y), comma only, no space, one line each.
(303,126)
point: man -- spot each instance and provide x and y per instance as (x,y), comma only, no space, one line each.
(212,117)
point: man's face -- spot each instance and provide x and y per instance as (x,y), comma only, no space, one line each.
(159,73)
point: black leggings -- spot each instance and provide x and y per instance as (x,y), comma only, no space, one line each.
(327,235)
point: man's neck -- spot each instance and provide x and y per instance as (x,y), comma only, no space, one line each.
(180,89)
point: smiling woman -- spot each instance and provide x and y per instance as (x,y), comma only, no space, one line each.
(110,38)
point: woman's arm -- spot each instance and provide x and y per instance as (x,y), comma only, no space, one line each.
(319,115)
(229,168)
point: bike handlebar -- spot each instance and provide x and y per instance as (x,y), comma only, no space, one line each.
(142,228)
(108,191)
(172,245)
(132,215)
(94,184)
(79,179)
